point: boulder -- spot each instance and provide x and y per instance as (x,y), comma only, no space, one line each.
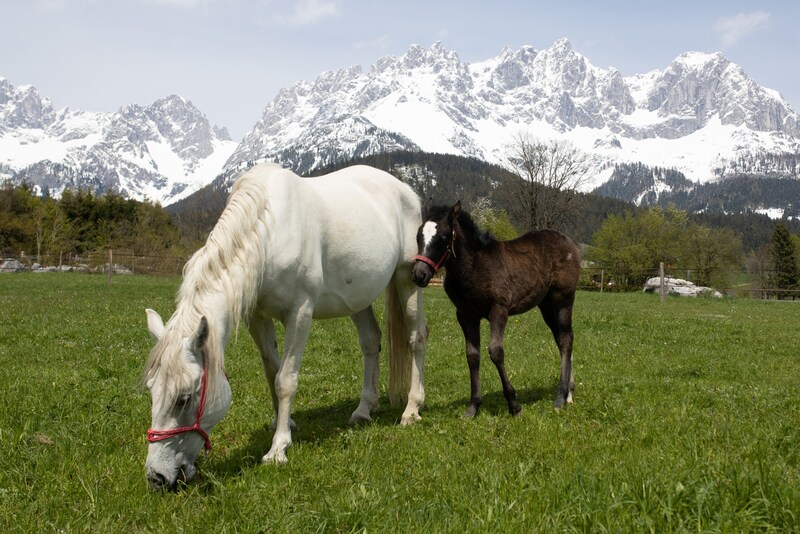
(678,286)
(12,266)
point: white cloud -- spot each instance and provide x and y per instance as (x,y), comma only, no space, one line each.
(379,44)
(51,5)
(300,12)
(732,29)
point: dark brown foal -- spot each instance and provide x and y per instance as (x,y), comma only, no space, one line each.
(491,279)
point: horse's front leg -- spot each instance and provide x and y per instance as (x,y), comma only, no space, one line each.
(297,325)
(262,330)
(369,337)
(498,318)
(471,326)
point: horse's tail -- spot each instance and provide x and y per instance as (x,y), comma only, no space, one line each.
(399,350)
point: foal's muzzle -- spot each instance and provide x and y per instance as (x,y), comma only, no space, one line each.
(421,274)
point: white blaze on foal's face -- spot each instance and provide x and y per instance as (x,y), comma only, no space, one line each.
(428,233)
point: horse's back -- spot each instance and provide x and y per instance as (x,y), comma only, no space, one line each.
(337,238)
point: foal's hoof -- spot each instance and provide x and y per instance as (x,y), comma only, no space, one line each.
(472,412)
(559,404)
(515,409)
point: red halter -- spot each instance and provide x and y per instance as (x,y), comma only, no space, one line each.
(447,252)
(160,435)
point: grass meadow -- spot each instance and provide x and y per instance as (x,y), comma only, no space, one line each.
(686,418)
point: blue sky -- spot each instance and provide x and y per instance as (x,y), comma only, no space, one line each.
(231,57)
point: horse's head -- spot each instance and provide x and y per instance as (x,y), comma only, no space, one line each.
(435,239)
(189,398)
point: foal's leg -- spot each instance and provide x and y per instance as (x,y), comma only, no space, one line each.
(298,325)
(498,318)
(559,319)
(262,330)
(471,326)
(369,337)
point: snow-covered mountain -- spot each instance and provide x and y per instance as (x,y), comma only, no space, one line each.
(701,115)
(164,151)
(697,115)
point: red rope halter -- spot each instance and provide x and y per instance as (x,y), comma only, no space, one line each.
(447,252)
(160,435)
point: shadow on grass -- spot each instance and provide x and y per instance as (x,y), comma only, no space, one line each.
(314,426)
(494,403)
(318,425)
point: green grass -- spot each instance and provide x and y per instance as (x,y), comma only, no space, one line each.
(686,418)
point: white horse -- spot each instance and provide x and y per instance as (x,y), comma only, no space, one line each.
(292,249)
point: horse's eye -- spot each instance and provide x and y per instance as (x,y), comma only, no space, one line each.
(183,400)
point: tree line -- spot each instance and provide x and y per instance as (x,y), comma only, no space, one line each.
(80,222)
(538,189)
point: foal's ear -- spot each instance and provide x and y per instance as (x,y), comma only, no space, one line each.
(455,211)
(426,209)
(200,336)
(154,324)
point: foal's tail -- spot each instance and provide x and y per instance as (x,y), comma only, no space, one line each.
(399,350)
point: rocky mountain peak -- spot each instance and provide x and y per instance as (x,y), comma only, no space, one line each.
(23,107)
(440,104)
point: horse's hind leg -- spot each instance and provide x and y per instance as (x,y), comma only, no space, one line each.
(369,337)
(497,326)
(471,327)
(409,309)
(262,330)
(558,316)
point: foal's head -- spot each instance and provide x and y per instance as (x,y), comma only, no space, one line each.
(435,240)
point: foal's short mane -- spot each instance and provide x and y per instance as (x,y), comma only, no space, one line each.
(227,270)
(470,228)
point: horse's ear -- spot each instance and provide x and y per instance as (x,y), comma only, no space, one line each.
(154,324)
(455,212)
(200,336)
(426,209)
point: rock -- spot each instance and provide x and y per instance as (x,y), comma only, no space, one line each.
(678,286)
(12,266)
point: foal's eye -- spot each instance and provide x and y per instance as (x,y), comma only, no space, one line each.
(183,400)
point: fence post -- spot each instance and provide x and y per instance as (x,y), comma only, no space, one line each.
(110,264)
(661,274)
(602,279)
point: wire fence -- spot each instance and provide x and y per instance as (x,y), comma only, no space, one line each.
(742,282)
(99,262)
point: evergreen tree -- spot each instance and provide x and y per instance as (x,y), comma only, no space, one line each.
(784,266)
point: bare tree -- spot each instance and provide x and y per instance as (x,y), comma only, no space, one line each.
(550,174)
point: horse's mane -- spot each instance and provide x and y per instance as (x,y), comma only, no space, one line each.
(229,264)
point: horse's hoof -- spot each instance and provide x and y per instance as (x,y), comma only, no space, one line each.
(277,457)
(409,419)
(472,412)
(357,419)
(515,408)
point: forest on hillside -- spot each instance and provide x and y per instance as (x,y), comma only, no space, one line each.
(81,222)
(57,231)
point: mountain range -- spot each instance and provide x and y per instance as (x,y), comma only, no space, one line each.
(163,152)
(701,115)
